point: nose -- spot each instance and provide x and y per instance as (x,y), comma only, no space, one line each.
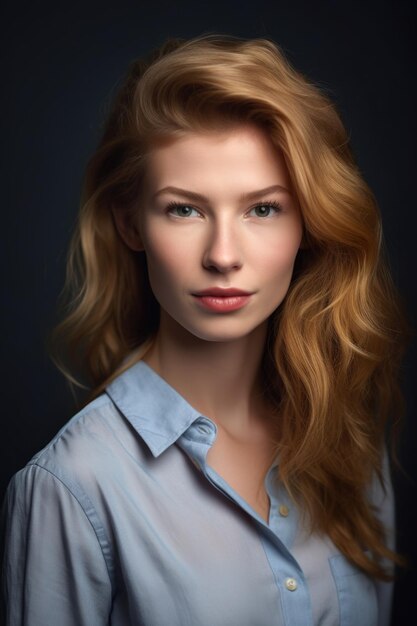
(223,250)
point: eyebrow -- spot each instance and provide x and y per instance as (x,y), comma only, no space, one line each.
(192,195)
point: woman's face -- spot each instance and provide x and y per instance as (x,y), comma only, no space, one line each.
(221,229)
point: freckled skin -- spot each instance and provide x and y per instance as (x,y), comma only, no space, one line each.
(224,242)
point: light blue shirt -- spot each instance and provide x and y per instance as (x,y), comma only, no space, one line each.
(120,521)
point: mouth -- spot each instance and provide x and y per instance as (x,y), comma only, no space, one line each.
(221,292)
(220,300)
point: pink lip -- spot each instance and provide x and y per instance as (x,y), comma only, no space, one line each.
(222,292)
(222,300)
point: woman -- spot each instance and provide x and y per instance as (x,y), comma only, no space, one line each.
(233,315)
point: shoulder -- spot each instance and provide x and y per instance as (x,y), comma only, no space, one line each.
(89,429)
(52,535)
(58,491)
(83,449)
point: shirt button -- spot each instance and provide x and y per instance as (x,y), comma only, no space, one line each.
(291,584)
(284,510)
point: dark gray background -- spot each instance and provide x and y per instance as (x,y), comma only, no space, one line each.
(60,66)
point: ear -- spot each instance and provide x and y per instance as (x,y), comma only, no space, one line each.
(128,228)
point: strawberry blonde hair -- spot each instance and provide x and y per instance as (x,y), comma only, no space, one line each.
(334,344)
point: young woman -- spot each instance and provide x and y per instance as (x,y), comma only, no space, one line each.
(234,317)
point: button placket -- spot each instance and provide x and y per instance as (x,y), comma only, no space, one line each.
(283,515)
(291,582)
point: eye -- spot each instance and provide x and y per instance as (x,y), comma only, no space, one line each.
(182,210)
(265,209)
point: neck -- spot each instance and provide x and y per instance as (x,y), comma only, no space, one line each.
(219,379)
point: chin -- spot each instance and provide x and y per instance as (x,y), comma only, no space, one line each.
(223,332)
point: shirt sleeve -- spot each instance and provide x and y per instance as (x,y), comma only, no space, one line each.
(382,497)
(54,571)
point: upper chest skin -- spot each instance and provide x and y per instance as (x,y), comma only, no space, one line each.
(244,464)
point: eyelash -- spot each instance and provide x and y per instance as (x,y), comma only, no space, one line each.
(271,204)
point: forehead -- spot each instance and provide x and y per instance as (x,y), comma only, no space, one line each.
(241,154)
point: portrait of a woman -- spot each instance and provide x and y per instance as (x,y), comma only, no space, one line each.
(232,313)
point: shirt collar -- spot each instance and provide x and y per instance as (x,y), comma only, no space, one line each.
(156,411)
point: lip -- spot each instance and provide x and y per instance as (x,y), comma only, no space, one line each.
(221,292)
(223,303)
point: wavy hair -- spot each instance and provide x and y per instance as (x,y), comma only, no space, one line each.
(334,344)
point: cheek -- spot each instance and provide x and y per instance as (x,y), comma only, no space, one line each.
(278,257)
(167,263)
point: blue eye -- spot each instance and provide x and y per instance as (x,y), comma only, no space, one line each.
(260,210)
(265,209)
(182,210)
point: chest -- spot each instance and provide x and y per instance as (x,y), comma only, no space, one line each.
(244,466)
(187,556)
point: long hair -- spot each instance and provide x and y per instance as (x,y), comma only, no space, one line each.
(334,344)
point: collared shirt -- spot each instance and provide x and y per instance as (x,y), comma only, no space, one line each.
(120,521)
